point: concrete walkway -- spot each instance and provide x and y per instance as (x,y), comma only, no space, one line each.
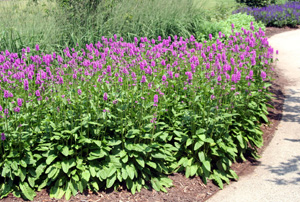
(277,178)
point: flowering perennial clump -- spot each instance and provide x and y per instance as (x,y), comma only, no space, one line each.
(118,112)
(287,14)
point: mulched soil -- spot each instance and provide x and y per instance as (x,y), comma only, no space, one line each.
(187,189)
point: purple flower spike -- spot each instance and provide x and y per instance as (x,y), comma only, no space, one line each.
(37,47)
(79,91)
(105,96)
(1,108)
(37,93)
(155,99)
(263,75)
(164,78)
(26,85)
(143,79)
(3,136)
(17,109)
(20,102)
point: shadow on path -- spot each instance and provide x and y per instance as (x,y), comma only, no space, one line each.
(290,166)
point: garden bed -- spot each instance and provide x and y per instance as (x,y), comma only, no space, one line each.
(185,189)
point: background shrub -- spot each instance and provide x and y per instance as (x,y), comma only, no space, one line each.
(257,3)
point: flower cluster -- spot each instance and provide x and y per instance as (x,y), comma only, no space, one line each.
(287,14)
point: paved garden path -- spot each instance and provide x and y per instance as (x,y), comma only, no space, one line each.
(277,177)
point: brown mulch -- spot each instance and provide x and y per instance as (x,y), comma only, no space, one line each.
(187,189)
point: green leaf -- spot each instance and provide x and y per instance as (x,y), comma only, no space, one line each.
(65,151)
(14,165)
(23,163)
(265,118)
(156,184)
(86,175)
(5,189)
(206,164)
(151,164)
(198,145)
(65,165)
(27,191)
(40,169)
(140,161)
(92,171)
(112,170)
(110,181)
(201,156)
(194,169)
(31,181)
(130,171)
(68,194)
(50,159)
(22,173)
(95,185)
(218,180)
(189,142)
(233,174)
(124,174)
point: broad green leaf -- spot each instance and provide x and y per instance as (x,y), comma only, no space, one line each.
(198,145)
(50,159)
(65,151)
(155,184)
(201,156)
(112,170)
(27,191)
(92,171)
(31,181)
(140,161)
(68,194)
(130,171)
(95,185)
(65,165)
(22,173)
(86,175)
(151,164)
(194,170)
(124,174)
(206,164)
(5,189)
(110,181)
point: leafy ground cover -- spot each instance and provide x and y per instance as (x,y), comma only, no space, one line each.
(128,114)
(275,15)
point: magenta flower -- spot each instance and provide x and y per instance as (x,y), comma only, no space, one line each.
(20,102)
(26,85)
(105,96)
(155,100)
(37,93)
(164,78)
(144,79)
(263,75)
(6,94)
(17,109)
(3,136)
(37,47)
(1,108)
(79,91)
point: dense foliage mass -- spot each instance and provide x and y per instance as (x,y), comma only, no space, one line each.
(287,14)
(119,113)
(257,3)
(240,20)
(57,24)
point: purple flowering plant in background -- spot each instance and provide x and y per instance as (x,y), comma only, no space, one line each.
(287,14)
